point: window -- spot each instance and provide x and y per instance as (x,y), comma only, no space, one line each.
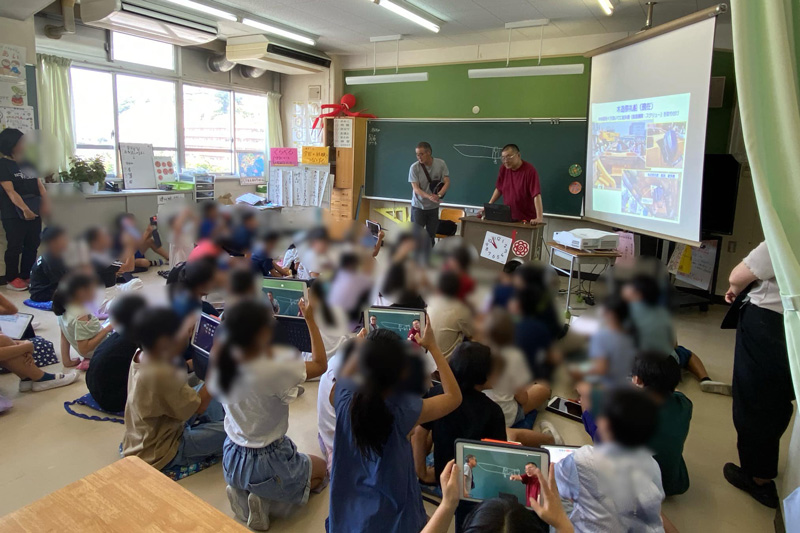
(251,133)
(207,125)
(93,110)
(139,50)
(146,113)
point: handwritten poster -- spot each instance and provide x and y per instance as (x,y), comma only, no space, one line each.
(170,199)
(299,186)
(20,118)
(626,247)
(694,265)
(138,165)
(315,155)
(280,157)
(342,133)
(13,93)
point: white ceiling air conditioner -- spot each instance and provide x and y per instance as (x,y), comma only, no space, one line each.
(260,52)
(149,20)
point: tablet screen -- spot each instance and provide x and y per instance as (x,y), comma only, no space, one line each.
(286,293)
(204,333)
(400,321)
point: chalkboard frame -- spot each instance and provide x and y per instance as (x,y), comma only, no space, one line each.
(552,120)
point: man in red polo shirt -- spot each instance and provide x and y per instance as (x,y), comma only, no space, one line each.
(518,184)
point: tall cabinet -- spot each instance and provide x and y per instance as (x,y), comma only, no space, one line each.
(347,165)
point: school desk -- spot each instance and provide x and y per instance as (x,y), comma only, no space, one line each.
(577,258)
(526,239)
(128,495)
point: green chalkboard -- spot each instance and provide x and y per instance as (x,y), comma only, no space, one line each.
(471,149)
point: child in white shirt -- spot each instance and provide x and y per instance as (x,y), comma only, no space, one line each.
(256,382)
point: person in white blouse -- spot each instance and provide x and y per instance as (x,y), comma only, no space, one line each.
(762,379)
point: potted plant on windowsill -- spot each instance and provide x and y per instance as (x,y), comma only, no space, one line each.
(86,173)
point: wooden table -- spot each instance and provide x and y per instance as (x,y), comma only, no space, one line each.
(473,231)
(576,258)
(126,496)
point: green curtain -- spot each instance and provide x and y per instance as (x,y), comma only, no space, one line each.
(274,124)
(766,51)
(54,91)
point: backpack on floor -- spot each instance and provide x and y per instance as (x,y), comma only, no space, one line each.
(447,227)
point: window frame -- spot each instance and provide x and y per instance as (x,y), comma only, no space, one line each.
(122,68)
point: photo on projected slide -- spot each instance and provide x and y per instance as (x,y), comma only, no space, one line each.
(500,472)
(651,194)
(401,321)
(286,294)
(638,149)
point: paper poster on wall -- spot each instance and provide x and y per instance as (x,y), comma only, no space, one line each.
(12,61)
(20,118)
(283,157)
(496,247)
(13,93)
(627,248)
(286,184)
(314,155)
(170,199)
(342,133)
(138,165)
(275,187)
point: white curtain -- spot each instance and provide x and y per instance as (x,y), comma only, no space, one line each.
(274,124)
(54,94)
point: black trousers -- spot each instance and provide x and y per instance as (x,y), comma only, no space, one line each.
(23,237)
(427,219)
(762,390)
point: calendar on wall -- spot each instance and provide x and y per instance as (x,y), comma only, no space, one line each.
(496,247)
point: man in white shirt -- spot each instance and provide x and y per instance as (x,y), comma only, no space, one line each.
(762,379)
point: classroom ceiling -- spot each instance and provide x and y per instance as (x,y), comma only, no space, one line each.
(21,9)
(345,26)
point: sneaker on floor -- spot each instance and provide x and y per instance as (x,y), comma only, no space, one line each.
(5,404)
(25,385)
(716,387)
(549,429)
(766,494)
(61,380)
(259,513)
(17,285)
(238,500)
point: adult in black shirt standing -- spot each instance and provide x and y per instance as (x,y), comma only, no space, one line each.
(21,194)
(107,377)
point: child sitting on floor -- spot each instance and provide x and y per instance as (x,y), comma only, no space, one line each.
(476,418)
(167,423)
(49,267)
(107,377)
(373,483)
(326,415)
(503,288)
(659,376)
(129,236)
(74,307)
(611,349)
(263,258)
(17,358)
(256,382)
(654,331)
(105,264)
(616,485)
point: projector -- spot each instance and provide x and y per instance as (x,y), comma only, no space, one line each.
(587,239)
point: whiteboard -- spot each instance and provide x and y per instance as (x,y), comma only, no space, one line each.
(138,165)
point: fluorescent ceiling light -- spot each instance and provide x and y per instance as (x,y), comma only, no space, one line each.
(205,9)
(279,31)
(513,72)
(606,6)
(386,78)
(407,13)
(535,23)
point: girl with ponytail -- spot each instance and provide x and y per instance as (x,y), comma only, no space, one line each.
(74,304)
(255,382)
(373,482)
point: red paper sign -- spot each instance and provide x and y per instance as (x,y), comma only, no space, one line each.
(283,157)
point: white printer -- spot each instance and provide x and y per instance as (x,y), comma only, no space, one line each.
(587,239)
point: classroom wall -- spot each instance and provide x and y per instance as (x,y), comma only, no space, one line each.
(19,33)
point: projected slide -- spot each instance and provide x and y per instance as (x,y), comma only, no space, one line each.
(638,149)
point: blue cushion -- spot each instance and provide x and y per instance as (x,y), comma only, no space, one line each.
(44,306)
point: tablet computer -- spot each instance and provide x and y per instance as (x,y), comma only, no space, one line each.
(374,227)
(293,331)
(401,320)
(566,408)
(286,292)
(498,470)
(204,331)
(557,453)
(14,326)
